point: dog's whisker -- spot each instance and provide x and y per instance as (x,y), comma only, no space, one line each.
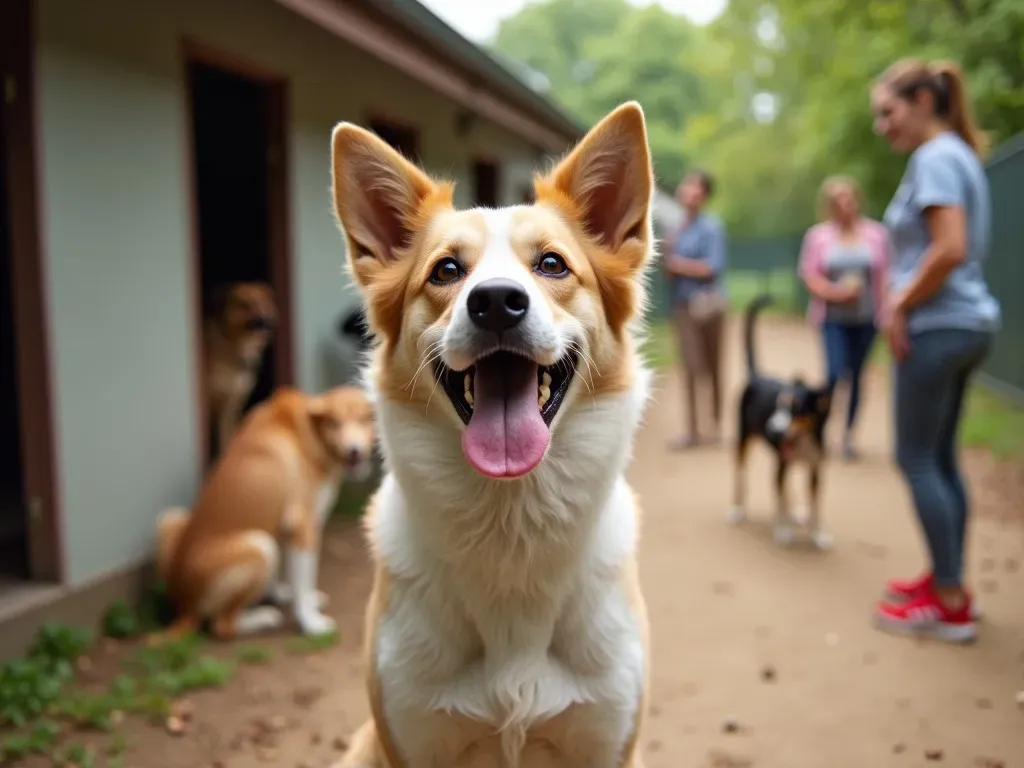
(433,353)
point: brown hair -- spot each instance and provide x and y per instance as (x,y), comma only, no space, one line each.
(944,80)
(705,179)
(829,188)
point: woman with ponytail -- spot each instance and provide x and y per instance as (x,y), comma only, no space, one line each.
(939,320)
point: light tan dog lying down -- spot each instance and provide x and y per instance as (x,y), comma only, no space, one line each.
(506,627)
(263,506)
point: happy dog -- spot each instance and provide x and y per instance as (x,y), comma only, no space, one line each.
(506,626)
(235,338)
(790,417)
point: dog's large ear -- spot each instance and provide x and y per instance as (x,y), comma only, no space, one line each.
(379,199)
(607,179)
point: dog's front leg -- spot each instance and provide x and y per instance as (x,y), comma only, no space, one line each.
(821,539)
(738,511)
(303,559)
(783,532)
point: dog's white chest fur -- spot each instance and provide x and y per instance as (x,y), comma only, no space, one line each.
(509,637)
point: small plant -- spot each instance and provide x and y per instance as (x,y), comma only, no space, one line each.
(97,712)
(314,643)
(80,755)
(57,643)
(36,742)
(253,654)
(118,744)
(120,621)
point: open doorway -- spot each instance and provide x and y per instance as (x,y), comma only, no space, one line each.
(238,158)
(485,183)
(29,536)
(13,502)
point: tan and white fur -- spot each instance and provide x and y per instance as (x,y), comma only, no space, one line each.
(255,530)
(235,338)
(506,626)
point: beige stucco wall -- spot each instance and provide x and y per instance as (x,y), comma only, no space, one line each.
(117,234)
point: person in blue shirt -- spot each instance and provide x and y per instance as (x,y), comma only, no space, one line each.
(939,321)
(694,264)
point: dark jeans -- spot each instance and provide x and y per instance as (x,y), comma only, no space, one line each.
(930,387)
(846,350)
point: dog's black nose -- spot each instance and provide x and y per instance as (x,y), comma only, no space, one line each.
(497,304)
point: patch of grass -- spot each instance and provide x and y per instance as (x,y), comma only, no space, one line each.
(253,654)
(313,643)
(993,424)
(659,346)
(39,692)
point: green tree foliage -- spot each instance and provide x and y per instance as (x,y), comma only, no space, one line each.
(596,53)
(814,61)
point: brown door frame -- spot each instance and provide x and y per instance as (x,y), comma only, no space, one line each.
(17,61)
(278,224)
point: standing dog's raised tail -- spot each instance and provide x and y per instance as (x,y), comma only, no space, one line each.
(753,309)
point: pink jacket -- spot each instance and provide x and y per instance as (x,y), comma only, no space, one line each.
(821,237)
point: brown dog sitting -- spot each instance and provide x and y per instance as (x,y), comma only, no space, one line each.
(267,497)
(235,337)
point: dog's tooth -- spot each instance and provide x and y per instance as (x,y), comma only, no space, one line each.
(545,379)
(467,383)
(468,396)
(545,394)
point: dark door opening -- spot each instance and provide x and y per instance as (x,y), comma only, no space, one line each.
(401,137)
(485,183)
(14,550)
(239,187)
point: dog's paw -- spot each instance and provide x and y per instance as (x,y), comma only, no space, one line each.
(783,535)
(262,618)
(280,593)
(822,540)
(316,624)
(736,515)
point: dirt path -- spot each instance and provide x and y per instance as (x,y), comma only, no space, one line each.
(725,605)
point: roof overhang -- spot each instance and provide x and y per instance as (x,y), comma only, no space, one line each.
(406,36)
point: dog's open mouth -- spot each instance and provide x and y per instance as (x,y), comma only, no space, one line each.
(507,402)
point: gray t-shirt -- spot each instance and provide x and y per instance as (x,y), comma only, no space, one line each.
(944,171)
(850,262)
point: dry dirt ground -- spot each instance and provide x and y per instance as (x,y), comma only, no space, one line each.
(777,643)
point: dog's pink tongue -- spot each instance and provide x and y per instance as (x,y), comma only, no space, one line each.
(506,436)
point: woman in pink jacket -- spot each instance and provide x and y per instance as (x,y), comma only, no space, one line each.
(844,263)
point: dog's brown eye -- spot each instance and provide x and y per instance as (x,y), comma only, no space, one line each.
(447,270)
(552,265)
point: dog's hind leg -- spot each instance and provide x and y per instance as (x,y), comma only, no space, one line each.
(783,532)
(365,751)
(229,575)
(821,539)
(738,510)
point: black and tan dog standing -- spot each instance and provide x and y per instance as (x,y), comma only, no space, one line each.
(790,417)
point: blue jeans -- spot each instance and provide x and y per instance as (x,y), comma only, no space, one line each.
(930,387)
(846,350)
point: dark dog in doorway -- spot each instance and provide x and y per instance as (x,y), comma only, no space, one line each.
(240,325)
(790,417)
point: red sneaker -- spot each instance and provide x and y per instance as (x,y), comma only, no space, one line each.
(899,591)
(926,615)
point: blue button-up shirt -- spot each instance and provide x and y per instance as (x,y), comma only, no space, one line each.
(702,239)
